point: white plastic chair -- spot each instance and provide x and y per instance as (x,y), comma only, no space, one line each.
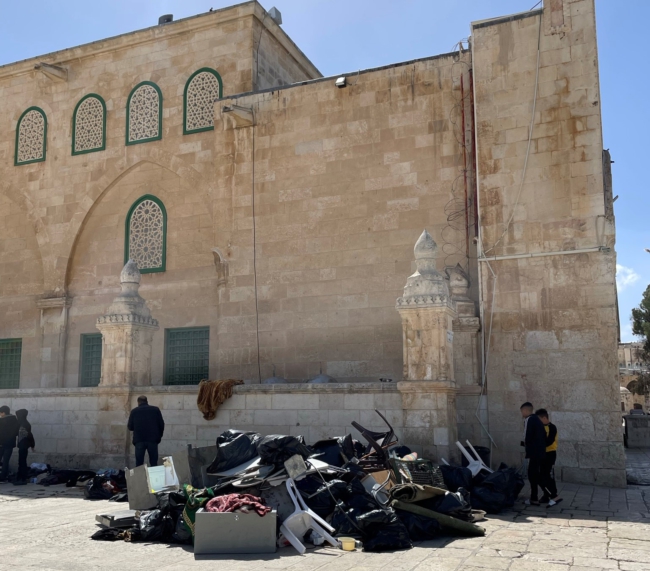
(302,520)
(475,464)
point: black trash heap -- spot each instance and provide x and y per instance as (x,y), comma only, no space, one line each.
(378,493)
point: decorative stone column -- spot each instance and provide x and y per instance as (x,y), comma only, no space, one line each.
(428,389)
(127,332)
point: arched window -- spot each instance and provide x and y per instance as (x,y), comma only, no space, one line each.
(146,234)
(201,90)
(89,125)
(31,134)
(144,114)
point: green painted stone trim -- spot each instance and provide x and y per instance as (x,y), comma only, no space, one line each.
(187,84)
(89,353)
(160,114)
(194,365)
(20,120)
(74,124)
(10,365)
(127,229)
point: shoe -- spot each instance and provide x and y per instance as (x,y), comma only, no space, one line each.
(4,481)
(554,502)
(531,503)
(544,500)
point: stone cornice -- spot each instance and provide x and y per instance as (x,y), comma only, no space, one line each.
(471,324)
(127,318)
(427,387)
(423,301)
(53,302)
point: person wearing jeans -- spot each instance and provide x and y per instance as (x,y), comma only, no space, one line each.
(535,445)
(147,424)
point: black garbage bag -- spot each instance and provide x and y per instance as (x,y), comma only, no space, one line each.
(171,504)
(95,489)
(420,528)
(383,531)
(108,534)
(338,450)
(498,490)
(234,448)
(323,501)
(454,504)
(154,526)
(277,449)
(456,477)
(354,502)
(181,533)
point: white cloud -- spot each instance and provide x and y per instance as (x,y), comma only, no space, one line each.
(625,277)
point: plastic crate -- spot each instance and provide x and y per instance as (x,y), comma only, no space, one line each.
(423,472)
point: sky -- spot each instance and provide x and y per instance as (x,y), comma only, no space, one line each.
(342,36)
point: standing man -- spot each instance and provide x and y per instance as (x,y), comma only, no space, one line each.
(8,432)
(147,424)
(535,444)
(549,486)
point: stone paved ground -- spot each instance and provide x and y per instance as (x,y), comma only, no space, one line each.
(595,529)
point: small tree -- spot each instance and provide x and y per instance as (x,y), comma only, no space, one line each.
(641,328)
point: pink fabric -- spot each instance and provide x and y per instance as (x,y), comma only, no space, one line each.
(237,502)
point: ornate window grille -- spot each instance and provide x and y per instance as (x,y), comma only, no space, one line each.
(89,125)
(146,234)
(144,114)
(10,353)
(201,90)
(31,134)
(187,355)
(90,366)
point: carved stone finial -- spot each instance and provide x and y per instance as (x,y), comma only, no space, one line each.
(427,286)
(130,273)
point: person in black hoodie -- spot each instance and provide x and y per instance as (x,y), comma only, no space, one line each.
(8,433)
(147,424)
(535,445)
(25,441)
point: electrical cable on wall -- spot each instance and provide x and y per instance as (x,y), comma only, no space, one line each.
(257,310)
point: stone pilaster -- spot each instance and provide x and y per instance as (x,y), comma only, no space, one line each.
(127,332)
(428,387)
(54,333)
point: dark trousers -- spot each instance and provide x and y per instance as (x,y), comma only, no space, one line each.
(534,477)
(6,456)
(22,463)
(548,480)
(151,448)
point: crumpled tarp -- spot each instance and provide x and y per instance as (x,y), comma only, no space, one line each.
(237,503)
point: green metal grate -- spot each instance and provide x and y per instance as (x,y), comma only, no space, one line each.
(187,353)
(90,368)
(10,352)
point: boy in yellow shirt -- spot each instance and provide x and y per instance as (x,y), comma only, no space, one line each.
(547,477)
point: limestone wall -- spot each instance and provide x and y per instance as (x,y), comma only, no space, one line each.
(344,181)
(86,427)
(62,220)
(553,320)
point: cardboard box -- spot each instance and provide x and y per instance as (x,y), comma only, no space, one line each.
(235,532)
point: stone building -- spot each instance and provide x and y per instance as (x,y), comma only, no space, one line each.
(272,214)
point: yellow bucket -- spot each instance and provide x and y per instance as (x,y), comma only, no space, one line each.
(347,543)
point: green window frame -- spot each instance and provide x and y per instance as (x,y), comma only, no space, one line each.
(127,232)
(160,114)
(20,120)
(214,72)
(74,125)
(187,355)
(10,355)
(90,362)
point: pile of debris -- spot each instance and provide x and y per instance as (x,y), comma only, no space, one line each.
(252,493)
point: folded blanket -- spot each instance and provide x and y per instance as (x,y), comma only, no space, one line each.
(212,394)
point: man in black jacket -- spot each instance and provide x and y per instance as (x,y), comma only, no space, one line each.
(8,433)
(535,444)
(147,424)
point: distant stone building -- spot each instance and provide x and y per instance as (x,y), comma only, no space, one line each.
(272,214)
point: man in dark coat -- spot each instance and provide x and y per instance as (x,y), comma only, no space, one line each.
(25,441)
(147,424)
(8,433)
(535,445)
